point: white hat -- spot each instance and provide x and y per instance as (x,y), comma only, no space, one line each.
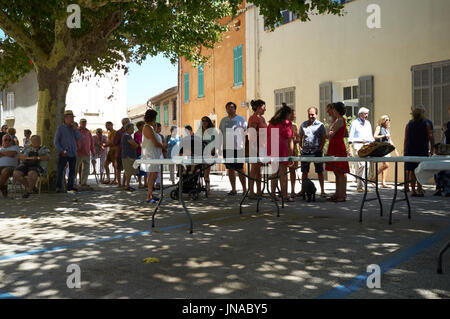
(363,110)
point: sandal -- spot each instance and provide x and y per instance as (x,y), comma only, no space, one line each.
(232,193)
(323,195)
(340,200)
(288,200)
(129,188)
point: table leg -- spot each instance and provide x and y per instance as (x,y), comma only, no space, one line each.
(406,193)
(162,196)
(395,193)
(180,197)
(366,178)
(377,190)
(246,193)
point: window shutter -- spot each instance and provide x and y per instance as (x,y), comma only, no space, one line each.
(186,87)
(422,87)
(201,82)
(238,55)
(366,95)
(174,110)
(166,114)
(325,98)
(157,116)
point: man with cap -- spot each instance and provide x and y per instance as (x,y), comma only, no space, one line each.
(85,147)
(360,135)
(65,142)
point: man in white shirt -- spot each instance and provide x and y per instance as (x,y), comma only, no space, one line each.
(234,126)
(360,135)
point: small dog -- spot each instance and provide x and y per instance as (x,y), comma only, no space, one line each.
(309,190)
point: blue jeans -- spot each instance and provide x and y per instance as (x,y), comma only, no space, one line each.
(62,161)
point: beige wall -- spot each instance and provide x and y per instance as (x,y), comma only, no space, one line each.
(332,48)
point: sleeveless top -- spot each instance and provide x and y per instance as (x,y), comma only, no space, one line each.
(384,131)
(417,144)
(148,149)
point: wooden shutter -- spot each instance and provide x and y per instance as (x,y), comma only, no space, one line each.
(325,98)
(238,59)
(166,114)
(158,111)
(421,88)
(440,99)
(366,95)
(286,95)
(201,81)
(186,87)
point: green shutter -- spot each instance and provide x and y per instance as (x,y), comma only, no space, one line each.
(157,116)
(201,81)
(186,87)
(238,59)
(166,115)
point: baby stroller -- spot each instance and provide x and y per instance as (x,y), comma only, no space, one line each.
(192,182)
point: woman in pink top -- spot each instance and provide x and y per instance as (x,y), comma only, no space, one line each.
(257,146)
(283,147)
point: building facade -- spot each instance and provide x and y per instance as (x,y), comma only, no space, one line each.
(385,55)
(205,89)
(97,99)
(166,104)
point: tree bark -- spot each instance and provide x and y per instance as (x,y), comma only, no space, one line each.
(53,84)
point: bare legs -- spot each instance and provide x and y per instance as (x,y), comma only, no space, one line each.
(383,171)
(255,174)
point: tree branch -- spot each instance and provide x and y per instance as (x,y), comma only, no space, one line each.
(18,33)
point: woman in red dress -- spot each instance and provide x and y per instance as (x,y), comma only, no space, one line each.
(283,147)
(336,147)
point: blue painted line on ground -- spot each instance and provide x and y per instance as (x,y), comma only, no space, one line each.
(359,282)
(7,296)
(95,241)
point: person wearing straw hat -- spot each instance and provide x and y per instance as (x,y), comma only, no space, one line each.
(360,135)
(65,141)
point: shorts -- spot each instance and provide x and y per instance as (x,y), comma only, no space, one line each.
(234,166)
(10,169)
(25,169)
(128,166)
(111,156)
(119,164)
(306,165)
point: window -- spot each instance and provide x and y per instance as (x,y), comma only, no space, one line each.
(157,116)
(325,98)
(431,88)
(174,110)
(9,112)
(166,114)
(287,96)
(348,93)
(201,81)
(366,95)
(186,87)
(287,15)
(238,65)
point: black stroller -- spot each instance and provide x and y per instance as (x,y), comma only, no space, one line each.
(193,182)
(192,175)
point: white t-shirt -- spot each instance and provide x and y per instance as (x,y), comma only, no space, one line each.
(9,161)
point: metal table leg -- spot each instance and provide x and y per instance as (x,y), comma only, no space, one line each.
(161,199)
(365,199)
(377,190)
(180,198)
(394,199)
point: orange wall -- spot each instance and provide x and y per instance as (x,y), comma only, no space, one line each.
(218,79)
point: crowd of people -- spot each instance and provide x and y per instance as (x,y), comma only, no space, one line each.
(77,149)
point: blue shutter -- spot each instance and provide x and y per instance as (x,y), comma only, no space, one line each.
(186,87)
(166,115)
(201,81)
(238,65)
(241,64)
(157,116)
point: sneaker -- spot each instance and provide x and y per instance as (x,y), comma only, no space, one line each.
(360,190)
(61,191)
(73,189)
(26,195)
